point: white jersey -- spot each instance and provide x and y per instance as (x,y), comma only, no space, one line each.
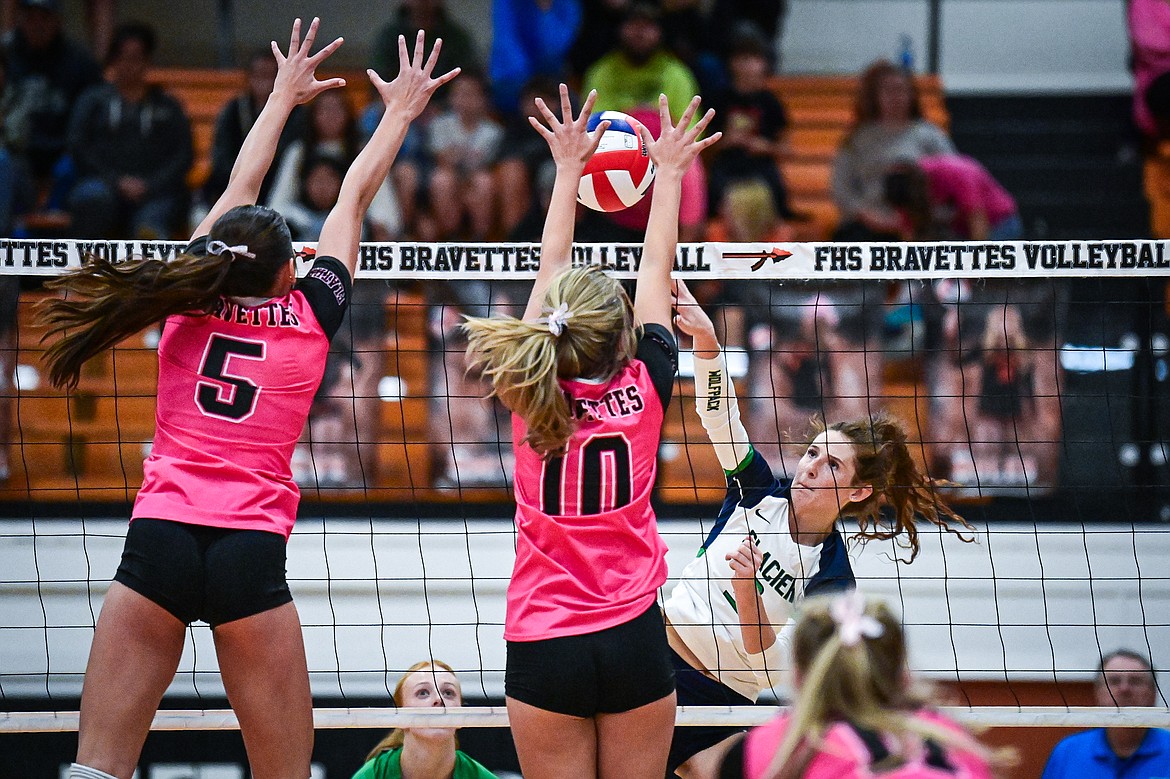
(702,607)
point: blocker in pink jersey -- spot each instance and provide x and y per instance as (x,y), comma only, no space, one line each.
(588,553)
(234,390)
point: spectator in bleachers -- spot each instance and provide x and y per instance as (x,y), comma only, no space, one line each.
(1125,678)
(951,196)
(686,32)
(16,190)
(432,16)
(525,165)
(766,16)
(753,122)
(887,127)
(236,119)
(49,72)
(331,131)
(423,752)
(600,20)
(100,17)
(639,68)
(530,39)
(131,145)
(1149,34)
(463,142)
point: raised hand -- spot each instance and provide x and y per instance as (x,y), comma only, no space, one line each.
(567,137)
(690,318)
(677,146)
(412,88)
(745,560)
(296,75)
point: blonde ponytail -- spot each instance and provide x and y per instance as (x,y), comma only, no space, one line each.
(587,332)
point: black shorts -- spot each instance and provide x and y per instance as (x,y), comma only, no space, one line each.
(697,689)
(607,672)
(196,572)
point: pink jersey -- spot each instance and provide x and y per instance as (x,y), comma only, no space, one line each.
(964,184)
(847,754)
(234,390)
(588,553)
(1149,32)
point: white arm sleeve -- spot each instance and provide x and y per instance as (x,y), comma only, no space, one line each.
(719,411)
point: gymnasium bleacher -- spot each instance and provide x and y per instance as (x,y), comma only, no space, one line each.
(89,444)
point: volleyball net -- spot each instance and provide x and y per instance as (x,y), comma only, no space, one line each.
(1032,376)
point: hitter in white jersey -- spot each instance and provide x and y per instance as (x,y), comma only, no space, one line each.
(775,543)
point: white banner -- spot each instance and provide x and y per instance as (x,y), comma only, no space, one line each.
(792,261)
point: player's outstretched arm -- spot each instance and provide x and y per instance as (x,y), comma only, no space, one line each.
(571,146)
(672,154)
(755,629)
(714,393)
(405,98)
(296,83)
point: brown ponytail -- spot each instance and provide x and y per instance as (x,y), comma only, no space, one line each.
(524,360)
(884,462)
(106,302)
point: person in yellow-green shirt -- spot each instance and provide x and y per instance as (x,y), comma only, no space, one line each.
(430,752)
(640,68)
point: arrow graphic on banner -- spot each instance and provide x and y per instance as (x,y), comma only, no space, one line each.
(776,255)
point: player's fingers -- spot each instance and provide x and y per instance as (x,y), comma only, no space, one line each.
(403,54)
(709,141)
(587,106)
(664,112)
(333,83)
(540,128)
(375,79)
(420,49)
(688,113)
(294,40)
(443,79)
(310,36)
(566,104)
(277,53)
(433,60)
(701,125)
(325,52)
(546,112)
(597,134)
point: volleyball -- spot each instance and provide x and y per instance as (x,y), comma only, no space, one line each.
(620,171)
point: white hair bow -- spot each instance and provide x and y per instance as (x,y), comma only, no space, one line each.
(848,611)
(219,247)
(557,318)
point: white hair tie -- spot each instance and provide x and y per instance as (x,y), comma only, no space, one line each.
(219,247)
(848,611)
(557,318)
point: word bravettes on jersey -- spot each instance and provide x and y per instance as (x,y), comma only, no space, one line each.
(588,553)
(234,390)
(702,607)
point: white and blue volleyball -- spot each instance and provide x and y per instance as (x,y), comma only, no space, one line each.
(620,171)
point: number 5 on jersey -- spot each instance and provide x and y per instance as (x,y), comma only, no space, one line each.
(227,396)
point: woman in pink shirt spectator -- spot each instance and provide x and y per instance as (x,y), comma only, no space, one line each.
(936,189)
(856,712)
(1149,35)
